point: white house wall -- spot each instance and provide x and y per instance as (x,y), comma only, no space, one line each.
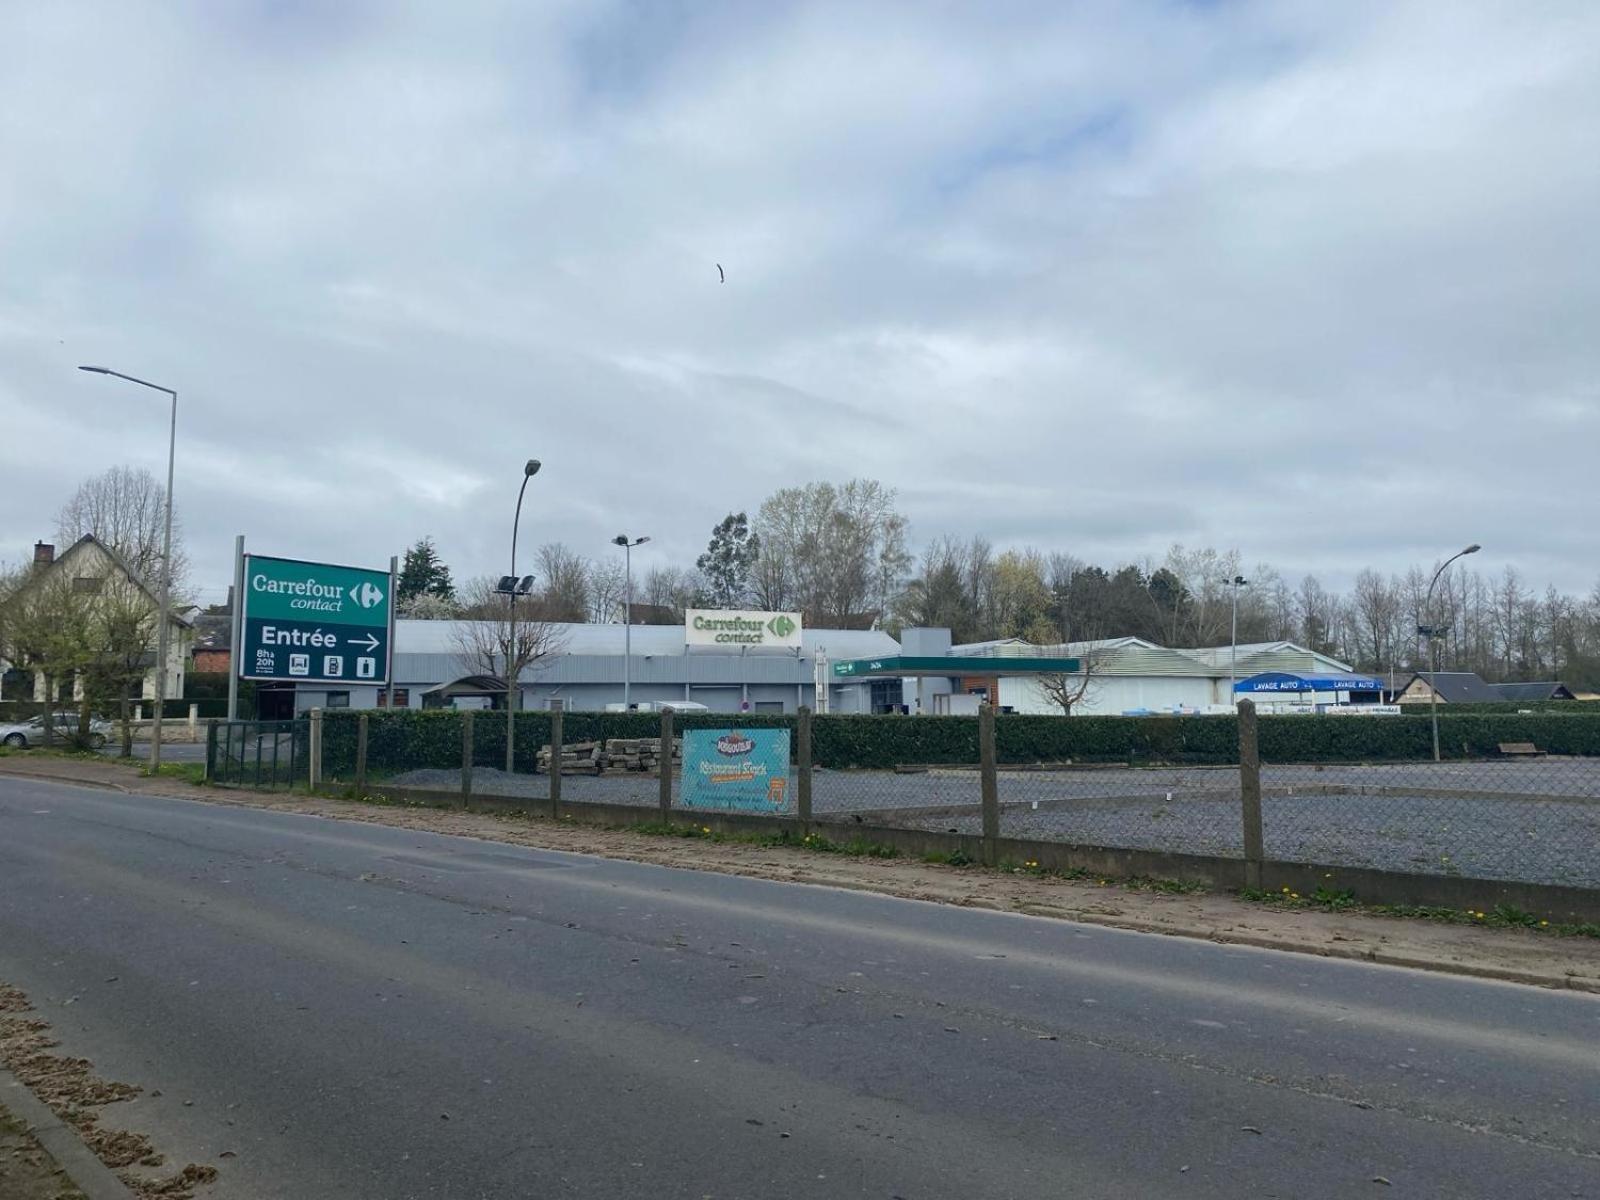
(1113,695)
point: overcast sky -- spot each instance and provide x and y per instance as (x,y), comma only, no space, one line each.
(1319,281)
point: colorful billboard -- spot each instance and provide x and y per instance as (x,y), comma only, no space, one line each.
(742,769)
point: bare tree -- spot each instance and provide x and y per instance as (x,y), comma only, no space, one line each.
(671,588)
(119,649)
(125,507)
(46,629)
(564,575)
(837,552)
(607,585)
(1069,689)
(485,644)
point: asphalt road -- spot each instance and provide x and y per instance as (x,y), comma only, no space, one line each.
(359,1011)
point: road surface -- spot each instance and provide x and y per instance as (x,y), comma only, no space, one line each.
(360,1011)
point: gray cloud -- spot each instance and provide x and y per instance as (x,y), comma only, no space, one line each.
(1316,283)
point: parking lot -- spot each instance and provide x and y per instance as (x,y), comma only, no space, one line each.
(1536,821)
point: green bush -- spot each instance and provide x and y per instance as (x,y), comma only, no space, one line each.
(411,739)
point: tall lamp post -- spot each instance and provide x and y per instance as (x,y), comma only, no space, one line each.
(1431,632)
(627,545)
(166,564)
(1237,582)
(513,587)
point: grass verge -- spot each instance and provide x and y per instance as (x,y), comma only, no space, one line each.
(1501,916)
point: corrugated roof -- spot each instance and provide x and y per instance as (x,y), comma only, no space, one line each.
(1553,690)
(1458,687)
(1268,656)
(441,640)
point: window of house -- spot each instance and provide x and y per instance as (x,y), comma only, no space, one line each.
(88,585)
(338,700)
(402,698)
(561,703)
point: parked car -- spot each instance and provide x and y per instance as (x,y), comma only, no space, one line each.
(23,735)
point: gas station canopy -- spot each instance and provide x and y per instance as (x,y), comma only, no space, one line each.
(1283,681)
(954,665)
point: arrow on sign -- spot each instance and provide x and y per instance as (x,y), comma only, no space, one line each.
(372,643)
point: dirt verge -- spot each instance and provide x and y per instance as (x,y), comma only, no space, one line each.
(1517,955)
(76,1094)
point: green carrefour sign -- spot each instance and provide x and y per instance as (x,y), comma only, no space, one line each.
(742,630)
(314,622)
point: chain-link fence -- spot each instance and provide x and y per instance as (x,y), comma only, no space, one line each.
(1509,814)
(1526,818)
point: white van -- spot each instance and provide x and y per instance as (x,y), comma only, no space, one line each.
(646,706)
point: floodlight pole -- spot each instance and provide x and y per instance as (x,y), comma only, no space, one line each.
(1433,646)
(1237,582)
(529,470)
(627,545)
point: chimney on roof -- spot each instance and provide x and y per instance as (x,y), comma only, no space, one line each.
(43,554)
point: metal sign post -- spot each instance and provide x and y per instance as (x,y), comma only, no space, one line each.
(236,624)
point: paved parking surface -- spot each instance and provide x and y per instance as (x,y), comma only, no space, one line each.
(1536,821)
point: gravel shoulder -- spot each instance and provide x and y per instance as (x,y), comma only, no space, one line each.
(1517,955)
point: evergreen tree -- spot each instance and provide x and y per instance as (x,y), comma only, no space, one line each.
(727,562)
(424,574)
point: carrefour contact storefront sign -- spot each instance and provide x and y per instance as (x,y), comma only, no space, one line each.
(742,769)
(732,629)
(314,622)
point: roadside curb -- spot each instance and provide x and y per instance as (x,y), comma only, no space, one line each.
(1436,966)
(56,777)
(61,1141)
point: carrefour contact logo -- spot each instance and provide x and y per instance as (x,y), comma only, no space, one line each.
(781,625)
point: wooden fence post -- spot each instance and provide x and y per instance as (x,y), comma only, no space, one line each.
(989,784)
(555,762)
(314,765)
(1250,792)
(664,765)
(361,754)
(802,758)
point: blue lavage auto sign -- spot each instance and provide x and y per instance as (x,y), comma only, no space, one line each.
(742,769)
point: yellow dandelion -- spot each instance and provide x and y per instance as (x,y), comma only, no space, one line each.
(1294,895)
(1544,922)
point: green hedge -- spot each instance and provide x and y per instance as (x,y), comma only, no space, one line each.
(1582,708)
(409,740)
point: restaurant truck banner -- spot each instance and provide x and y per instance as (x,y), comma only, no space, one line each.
(730,629)
(742,769)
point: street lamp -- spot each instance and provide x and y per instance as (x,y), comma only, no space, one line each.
(627,612)
(1237,582)
(513,587)
(1431,632)
(166,565)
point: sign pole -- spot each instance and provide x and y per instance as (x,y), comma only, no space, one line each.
(388,661)
(236,629)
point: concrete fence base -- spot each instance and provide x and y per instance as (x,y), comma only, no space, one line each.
(1563,905)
